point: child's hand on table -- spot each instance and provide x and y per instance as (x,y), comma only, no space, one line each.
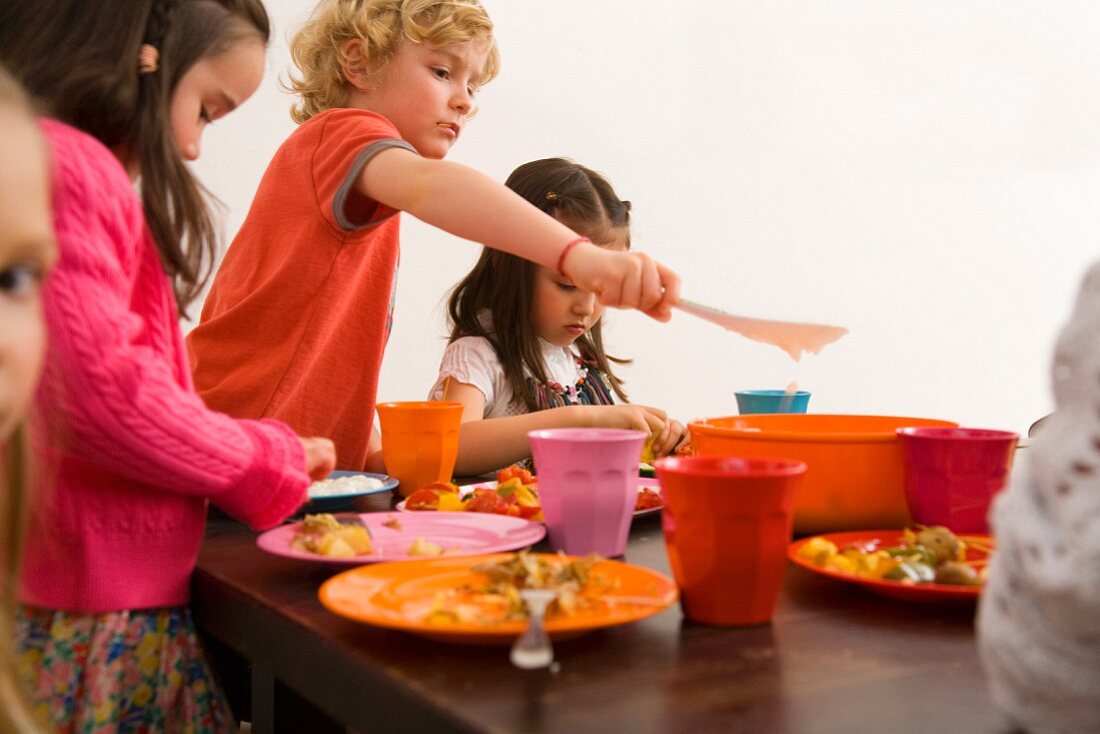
(667,441)
(652,421)
(320,457)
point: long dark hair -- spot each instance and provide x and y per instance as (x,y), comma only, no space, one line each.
(502,283)
(79,60)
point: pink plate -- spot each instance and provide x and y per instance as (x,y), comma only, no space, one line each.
(643,483)
(460,534)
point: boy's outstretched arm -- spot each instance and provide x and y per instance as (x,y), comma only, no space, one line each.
(469,204)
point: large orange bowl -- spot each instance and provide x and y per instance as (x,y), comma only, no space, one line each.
(855,468)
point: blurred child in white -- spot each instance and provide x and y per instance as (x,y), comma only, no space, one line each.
(299,315)
(526,347)
(1039,619)
(27,253)
(125,455)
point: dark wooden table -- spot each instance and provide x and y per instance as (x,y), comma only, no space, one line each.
(835,659)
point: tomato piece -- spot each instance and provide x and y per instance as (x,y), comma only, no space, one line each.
(484,500)
(423,499)
(528,513)
(647,500)
(515,472)
(441,487)
(508,508)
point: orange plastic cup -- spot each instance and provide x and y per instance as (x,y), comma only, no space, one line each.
(419,442)
(727,525)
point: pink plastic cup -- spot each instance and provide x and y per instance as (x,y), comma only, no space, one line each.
(588,485)
(952,474)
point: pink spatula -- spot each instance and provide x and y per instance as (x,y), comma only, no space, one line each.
(792,337)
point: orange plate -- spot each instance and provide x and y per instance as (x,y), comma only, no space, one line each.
(400,595)
(894,589)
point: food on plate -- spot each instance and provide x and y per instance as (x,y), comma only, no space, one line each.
(497,599)
(393,524)
(925,555)
(516,472)
(329,535)
(352,484)
(436,496)
(646,468)
(424,547)
(647,500)
(511,497)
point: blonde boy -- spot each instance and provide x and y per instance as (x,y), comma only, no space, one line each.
(300,310)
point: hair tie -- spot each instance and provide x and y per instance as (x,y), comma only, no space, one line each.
(148,58)
(552,197)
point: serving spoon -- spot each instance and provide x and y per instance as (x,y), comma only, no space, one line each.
(790,336)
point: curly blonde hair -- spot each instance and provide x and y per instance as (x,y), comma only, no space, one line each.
(318,47)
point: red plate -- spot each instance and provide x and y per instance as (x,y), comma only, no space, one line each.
(873,539)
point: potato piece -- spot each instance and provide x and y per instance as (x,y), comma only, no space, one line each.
(422,547)
(333,545)
(357,538)
(817,551)
(959,574)
(940,541)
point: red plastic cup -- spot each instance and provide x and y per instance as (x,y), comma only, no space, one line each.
(727,524)
(952,474)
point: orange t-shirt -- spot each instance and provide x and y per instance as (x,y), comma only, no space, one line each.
(300,310)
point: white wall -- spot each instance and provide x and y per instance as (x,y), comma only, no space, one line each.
(925,173)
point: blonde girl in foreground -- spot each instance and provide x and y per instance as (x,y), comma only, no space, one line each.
(27,253)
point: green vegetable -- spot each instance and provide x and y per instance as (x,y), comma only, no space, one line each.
(646,470)
(509,487)
(915,554)
(918,573)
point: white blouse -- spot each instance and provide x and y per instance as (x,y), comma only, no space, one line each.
(473,361)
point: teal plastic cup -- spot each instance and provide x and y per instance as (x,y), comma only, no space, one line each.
(772,401)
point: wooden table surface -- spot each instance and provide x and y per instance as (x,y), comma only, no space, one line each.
(836,658)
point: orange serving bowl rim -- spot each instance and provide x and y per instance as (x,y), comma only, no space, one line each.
(808,427)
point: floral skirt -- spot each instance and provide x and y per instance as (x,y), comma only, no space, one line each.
(129,671)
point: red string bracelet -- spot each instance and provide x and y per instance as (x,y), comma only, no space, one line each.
(565,251)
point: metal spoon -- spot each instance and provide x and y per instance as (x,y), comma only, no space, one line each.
(533,650)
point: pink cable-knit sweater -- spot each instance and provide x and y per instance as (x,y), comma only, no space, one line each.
(126,455)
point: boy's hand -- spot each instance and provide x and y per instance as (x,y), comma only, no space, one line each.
(624,279)
(320,457)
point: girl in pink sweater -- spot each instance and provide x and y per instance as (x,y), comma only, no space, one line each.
(126,455)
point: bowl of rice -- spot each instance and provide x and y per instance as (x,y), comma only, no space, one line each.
(341,488)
